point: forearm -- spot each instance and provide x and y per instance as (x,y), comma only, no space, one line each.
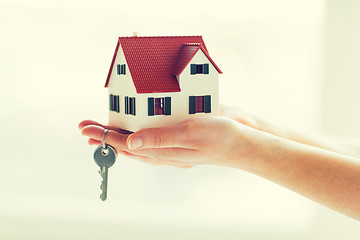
(326,177)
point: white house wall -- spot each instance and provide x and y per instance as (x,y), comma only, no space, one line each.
(191,85)
(121,85)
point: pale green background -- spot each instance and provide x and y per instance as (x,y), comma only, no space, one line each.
(294,62)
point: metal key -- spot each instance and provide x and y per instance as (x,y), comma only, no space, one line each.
(104,157)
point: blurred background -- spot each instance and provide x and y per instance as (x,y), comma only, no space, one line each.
(293,62)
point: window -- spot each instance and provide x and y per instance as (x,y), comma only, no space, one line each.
(199,69)
(130,106)
(159,106)
(114,103)
(121,69)
(199,104)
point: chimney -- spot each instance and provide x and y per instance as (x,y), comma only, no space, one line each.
(135,34)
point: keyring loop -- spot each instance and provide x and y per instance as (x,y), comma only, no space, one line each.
(103,141)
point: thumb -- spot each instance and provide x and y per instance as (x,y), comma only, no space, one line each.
(166,137)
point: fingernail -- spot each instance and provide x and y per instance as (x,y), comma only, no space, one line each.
(135,143)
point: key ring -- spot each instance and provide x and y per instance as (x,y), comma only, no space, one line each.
(103,141)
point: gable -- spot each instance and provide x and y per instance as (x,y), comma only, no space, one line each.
(187,54)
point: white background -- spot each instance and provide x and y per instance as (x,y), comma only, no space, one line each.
(292,62)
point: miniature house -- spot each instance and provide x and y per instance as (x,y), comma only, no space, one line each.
(158,81)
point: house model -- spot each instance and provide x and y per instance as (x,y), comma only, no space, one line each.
(158,81)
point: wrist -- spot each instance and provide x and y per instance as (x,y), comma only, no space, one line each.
(253,154)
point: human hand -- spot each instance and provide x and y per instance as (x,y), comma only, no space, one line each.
(254,121)
(213,140)
(116,137)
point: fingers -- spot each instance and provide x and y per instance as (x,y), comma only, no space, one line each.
(165,137)
(172,141)
(96,133)
(157,162)
(145,158)
(157,156)
(86,123)
(175,154)
(94,142)
(176,136)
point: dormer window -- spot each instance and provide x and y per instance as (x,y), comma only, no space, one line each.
(121,69)
(199,69)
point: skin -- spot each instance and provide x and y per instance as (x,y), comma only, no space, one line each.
(323,169)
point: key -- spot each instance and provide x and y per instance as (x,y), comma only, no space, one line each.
(104,157)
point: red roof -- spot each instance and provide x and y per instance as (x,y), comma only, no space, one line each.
(188,51)
(154,62)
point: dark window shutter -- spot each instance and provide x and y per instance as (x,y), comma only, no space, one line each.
(118,69)
(192,105)
(117,103)
(126,105)
(150,106)
(124,66)
(130,105)
(168,106)
(133,107)
(114,103)
(122,70)
(207,104)
(111,102)
(193,69)
(206,68)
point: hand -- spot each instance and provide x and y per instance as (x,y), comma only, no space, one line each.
(311,171)
(117,138)
(213,140)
